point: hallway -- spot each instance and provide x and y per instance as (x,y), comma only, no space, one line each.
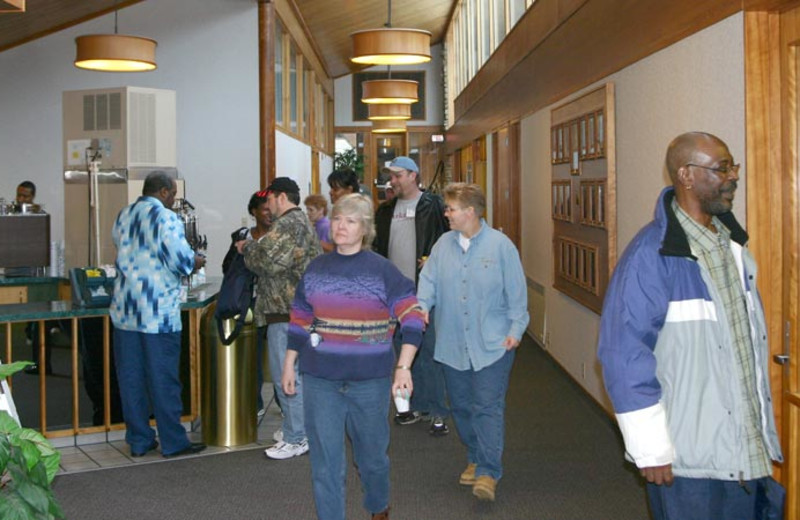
(563,460)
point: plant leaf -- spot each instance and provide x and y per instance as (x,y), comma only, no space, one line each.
(36,496)
(55,508)
(12,507)
(7,423)
(5,452)
(44,451)
(12,368)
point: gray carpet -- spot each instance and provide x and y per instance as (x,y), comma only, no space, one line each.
(563,461)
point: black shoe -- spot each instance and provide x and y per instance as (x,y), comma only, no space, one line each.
(34,370)
(145,452)
(192,449)
(438,427)
(409,417)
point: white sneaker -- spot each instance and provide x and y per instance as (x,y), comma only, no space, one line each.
(261,412)
(284,450)
(278,435)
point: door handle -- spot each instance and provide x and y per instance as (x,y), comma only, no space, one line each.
(781,359)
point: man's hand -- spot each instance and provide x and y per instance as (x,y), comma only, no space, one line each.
(658,475)
(289,379)
(199,262)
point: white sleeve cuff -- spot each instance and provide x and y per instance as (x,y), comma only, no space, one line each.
(646,436)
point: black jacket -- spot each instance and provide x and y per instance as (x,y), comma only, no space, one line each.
(429,222)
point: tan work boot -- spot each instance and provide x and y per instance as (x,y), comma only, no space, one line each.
(381,516)
(484,488)
(468,475)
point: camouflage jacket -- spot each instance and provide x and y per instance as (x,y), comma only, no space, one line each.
(279,259)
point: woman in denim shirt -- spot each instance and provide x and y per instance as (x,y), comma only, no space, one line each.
(474,279)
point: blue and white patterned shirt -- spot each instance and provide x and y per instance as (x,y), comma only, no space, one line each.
(152,255)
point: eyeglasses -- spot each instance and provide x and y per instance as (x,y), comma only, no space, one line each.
(724,170)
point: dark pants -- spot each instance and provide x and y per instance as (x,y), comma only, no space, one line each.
(709,499)
(147,371)
(429,394)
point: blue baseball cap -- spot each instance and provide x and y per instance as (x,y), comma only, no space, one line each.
(401,163)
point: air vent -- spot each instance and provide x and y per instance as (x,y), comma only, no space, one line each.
(102,112)
(142,122)
(88,113)
(101,109)
(115,111)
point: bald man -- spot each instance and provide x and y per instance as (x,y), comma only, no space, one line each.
(684,348)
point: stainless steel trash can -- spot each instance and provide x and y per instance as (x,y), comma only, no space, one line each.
(228,406)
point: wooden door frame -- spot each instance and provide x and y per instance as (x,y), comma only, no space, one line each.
(773,203)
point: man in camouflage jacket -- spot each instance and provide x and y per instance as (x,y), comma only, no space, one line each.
(279,259)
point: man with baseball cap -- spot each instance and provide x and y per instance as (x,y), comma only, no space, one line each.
(279,258)
(407,226)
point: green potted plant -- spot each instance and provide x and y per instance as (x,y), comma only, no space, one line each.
(28,464)
(349,158)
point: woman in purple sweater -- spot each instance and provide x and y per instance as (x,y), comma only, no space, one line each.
(342,320)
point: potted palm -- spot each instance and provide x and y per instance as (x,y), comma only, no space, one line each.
(28,464)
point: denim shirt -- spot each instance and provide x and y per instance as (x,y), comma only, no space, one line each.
(480,296)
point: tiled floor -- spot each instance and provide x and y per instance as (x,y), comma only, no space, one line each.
(111,451)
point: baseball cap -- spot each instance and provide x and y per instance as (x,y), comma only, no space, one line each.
(283,185)
(401,163)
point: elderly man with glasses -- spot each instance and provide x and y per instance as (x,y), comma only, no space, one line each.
(683,345)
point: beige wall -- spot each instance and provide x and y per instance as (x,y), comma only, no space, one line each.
(696,84)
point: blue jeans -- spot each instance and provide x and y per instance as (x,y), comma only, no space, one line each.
(429,394)
(147,371)
(359,408)
(478,405)
(294,430)
(703,498)
(261,341)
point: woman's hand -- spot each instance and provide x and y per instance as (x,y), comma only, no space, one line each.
(402,374)
(403,385)
(289,376)
(510,343)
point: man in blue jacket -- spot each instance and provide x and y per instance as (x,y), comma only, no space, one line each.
(683,345)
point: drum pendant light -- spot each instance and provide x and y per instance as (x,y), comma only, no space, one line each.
(389,126)
(389,91)
(383,111)
(391,46)
(115,52)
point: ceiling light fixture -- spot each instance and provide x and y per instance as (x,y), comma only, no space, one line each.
(391,46)
(383,111)
(389,126)
(389,91)
(115,52)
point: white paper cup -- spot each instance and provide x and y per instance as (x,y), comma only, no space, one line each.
(401,403)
